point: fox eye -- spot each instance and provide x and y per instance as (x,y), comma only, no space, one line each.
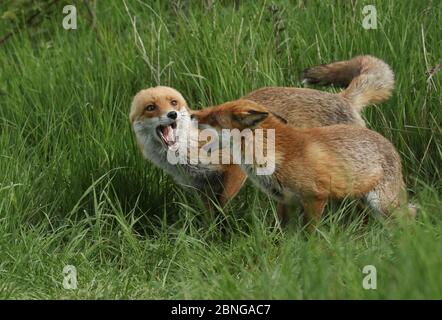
(174,102)
(150,107)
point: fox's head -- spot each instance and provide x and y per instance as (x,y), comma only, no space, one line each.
(239,114)
(241,118)
(157,112)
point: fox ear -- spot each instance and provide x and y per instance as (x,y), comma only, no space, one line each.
(251,117)
(279,117)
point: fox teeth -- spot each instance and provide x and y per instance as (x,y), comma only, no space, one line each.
(167,134)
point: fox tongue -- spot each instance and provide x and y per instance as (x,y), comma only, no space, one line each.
(168,135)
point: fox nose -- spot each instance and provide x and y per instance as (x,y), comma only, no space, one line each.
(172,115)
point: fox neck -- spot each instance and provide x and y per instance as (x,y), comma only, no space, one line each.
(289,145)
(289,141)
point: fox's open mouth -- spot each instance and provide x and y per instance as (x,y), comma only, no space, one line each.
(167,134)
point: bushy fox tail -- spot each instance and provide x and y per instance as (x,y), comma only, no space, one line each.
(369,80)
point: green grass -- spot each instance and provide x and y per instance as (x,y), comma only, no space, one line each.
(75,190)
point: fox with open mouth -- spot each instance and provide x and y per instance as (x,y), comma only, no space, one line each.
(158,116)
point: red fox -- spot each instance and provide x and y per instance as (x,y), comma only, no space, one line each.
(317,164)
(156,113)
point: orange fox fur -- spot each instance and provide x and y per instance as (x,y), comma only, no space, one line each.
(316,164)
(368,80)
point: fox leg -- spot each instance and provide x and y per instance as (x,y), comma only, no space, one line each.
(313,209)
(209,206)
(283,214)
(233,180)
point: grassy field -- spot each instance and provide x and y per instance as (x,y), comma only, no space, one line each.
(74,189)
